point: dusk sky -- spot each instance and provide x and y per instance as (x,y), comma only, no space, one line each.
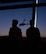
(6,17)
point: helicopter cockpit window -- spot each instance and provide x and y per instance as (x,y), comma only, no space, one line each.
(23,15)
(42,1)
(41,21)
(6,17)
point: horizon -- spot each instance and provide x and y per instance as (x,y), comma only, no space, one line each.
(22,36)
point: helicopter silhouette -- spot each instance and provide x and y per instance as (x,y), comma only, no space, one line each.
(22,24)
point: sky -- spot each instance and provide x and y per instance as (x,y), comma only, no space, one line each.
(6,17)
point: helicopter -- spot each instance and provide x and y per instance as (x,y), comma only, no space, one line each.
(22,24)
